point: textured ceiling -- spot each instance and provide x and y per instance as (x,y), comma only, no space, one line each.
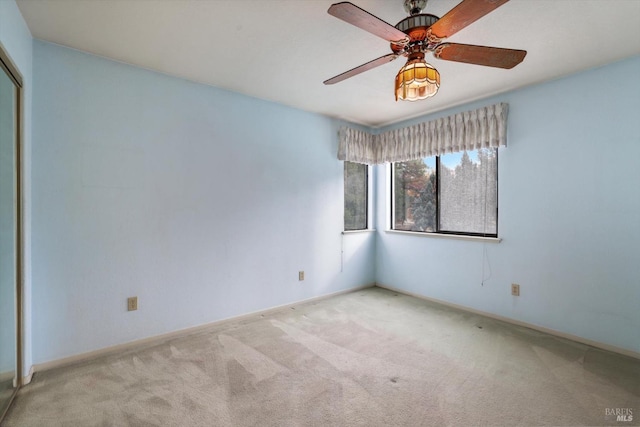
(282,50)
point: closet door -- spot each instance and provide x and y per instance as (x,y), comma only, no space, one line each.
(9,380)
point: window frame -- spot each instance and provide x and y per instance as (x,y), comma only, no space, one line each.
(367,192)
(439,232)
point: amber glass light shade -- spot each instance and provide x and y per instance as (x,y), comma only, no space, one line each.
(417,80)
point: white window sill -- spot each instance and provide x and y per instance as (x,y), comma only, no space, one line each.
(367,230)
(447,236)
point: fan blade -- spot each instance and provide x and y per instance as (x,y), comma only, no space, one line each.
(465,13)
(480,55)
(352,14)
(362,68)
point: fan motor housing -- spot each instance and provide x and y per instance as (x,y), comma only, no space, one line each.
(416,27)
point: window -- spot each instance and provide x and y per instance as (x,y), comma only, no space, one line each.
(355,196)
(454,193)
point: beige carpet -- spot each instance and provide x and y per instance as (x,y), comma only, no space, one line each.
(369,358)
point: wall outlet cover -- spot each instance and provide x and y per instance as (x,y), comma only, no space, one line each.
(132,303)
(515,289)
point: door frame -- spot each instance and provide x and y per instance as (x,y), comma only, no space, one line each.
(9,67)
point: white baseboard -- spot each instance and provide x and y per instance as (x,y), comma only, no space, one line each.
(11,375)
(7,375)
(175,334)
(27,379)
(571,337)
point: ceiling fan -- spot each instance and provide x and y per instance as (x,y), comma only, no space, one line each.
(420,33)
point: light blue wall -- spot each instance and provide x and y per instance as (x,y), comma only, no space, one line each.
(202,202)
(15,39)
(569,215)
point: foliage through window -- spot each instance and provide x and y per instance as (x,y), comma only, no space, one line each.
(355,196)
(453,193)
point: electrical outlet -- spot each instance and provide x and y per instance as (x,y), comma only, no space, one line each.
(515,289)
(301,275)
(132,303)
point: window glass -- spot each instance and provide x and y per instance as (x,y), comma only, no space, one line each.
(468,192)
(355,196)
(415,195)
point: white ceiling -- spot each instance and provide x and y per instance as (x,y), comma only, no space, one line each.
(282,50)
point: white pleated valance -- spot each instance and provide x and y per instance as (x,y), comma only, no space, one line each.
(471,130)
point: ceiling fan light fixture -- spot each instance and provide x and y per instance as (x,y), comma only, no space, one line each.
(417,80)
(421,33)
